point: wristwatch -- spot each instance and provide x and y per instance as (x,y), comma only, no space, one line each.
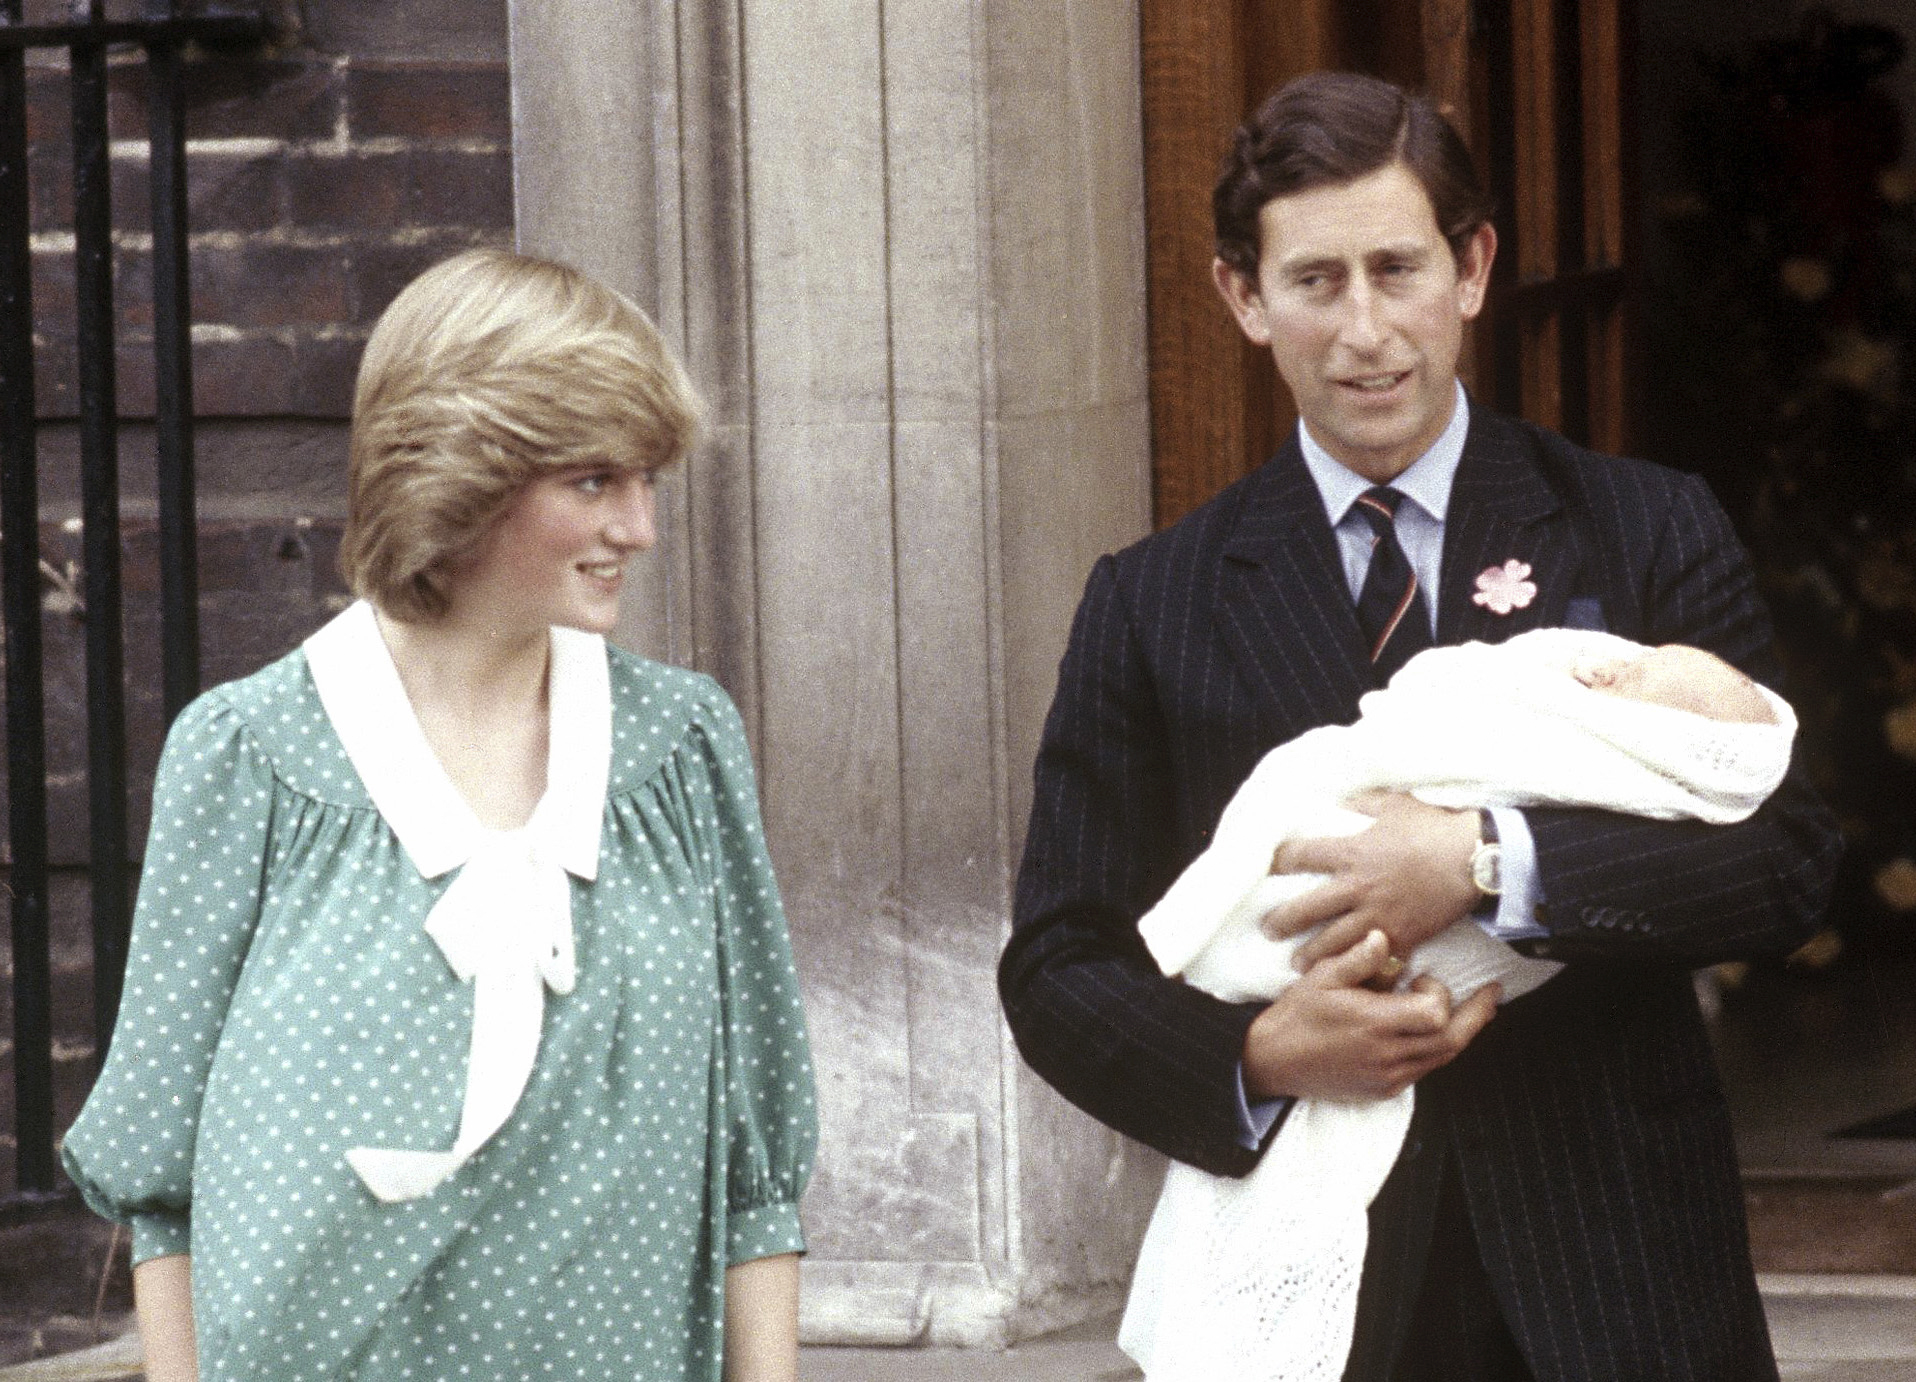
(1487,860)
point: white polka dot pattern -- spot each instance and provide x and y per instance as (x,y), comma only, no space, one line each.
(283,1004)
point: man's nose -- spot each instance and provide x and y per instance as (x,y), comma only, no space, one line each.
(1361,327)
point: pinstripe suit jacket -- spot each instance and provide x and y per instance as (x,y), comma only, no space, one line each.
(1586,1123)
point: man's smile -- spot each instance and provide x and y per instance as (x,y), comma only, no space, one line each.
(1375,383)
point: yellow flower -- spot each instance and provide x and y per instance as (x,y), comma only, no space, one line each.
(1896,884)
(1805,278)
(1865,363)
(1820,951)
(1897,185)
(1885,582)
(1899,728)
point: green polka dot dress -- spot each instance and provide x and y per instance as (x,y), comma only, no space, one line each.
(284,1005)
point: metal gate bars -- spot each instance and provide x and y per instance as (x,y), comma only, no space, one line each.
(162,33)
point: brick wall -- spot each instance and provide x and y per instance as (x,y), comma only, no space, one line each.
(365,143)
(319,185)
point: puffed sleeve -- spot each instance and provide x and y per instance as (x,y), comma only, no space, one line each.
(770,1104)
(131,1149)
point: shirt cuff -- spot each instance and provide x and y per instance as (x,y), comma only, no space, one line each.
(764,1230)
(1516,916)
(1256,1123)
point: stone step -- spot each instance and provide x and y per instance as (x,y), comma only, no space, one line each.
(1842,1328)
(1857,1224)
(115,1360)
(1827,1328)
(1839,1253)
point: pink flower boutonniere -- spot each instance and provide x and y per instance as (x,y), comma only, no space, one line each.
(1501,589)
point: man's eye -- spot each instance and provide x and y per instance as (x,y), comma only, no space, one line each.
(591,484)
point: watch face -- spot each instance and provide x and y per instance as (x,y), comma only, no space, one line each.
(1486,868)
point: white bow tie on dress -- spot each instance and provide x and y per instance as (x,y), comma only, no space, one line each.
(505,922)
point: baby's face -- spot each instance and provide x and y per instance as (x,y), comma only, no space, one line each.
(1682,678)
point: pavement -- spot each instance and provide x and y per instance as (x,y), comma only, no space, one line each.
(1842,1328)
(1827,1328)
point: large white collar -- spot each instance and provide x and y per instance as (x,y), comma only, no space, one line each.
(360,689)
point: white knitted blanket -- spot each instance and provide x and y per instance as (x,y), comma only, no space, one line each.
(1256,1279)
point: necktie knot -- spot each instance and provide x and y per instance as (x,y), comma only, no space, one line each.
(1378,506)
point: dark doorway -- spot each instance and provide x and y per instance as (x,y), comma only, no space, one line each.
(1779,341)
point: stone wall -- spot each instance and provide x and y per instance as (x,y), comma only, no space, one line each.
(901,242)
(324,171)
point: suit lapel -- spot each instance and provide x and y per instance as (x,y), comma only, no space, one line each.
(1286,614)
(1502,509)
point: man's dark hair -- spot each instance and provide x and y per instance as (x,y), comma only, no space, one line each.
(1329,128)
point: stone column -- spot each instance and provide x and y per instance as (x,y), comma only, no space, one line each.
(901,242)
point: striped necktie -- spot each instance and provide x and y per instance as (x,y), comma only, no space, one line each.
(1390,608)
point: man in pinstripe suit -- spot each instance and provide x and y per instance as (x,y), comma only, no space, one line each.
(1567,1205)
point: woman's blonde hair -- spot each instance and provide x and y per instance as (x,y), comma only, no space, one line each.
(488,369)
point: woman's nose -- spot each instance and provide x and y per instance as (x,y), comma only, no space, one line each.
(630,524)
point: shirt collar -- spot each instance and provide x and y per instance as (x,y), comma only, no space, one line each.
(1426,482)
(359,688)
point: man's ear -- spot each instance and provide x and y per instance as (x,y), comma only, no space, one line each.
(1241,296)
(1473,270)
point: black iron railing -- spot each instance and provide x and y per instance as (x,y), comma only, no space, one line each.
(162,33)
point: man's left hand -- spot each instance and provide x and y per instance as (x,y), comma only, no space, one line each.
(1407,876)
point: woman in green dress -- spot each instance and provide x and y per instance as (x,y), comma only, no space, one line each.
(460,1034)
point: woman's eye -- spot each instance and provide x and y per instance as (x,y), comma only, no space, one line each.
(591,484)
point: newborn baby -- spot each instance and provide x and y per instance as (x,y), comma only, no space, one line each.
(1262,1273)
(1671,732)
(1683,678)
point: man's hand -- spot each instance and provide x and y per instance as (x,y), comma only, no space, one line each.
(1407,876)
(1329,1036)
